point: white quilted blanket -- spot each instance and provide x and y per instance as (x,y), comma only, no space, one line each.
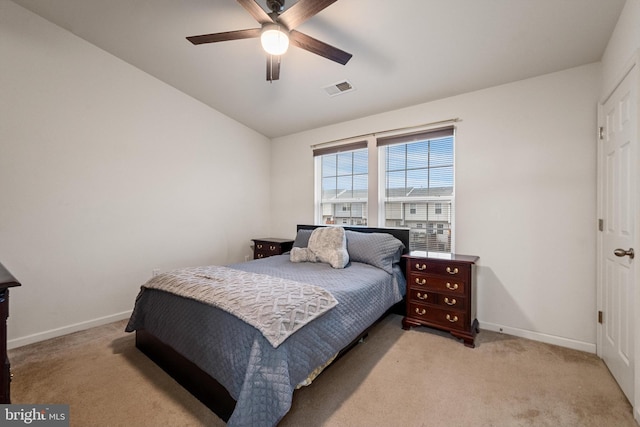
(276,307)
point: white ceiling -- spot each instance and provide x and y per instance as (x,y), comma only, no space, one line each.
(405,52)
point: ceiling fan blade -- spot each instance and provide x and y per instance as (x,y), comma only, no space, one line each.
(228,35)
(306,42)
(273,67)
(301,11)
(256,11)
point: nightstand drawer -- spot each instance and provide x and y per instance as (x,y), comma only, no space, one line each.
(263,254)
(267,247)
(452,302)
(450,319)
(448,269)
(439,284)
(420,295)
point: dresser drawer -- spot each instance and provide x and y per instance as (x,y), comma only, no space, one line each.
(264,248)
(262,254)
(452,302)
(449,269)
(420,295)
(439,284)
(449,319)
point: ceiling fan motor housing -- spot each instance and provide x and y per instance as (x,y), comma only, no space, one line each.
(275,5)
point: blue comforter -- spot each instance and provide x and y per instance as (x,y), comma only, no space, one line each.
(261,378)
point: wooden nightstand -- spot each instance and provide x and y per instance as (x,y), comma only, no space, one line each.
(269,246)
(441,293)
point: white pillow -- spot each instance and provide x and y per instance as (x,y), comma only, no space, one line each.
(329,244)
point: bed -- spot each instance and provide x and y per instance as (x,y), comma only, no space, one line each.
(244,374)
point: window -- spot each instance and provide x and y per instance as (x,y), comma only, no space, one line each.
(419,186)
(343,184)
(416,185)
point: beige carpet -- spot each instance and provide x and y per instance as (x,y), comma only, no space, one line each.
(395,378)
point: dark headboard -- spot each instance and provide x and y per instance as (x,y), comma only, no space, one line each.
(401,234)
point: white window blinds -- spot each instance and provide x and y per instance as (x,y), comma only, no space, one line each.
(419,186)
(344,187)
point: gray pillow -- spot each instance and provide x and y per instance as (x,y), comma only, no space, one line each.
(302,239)
(378,249)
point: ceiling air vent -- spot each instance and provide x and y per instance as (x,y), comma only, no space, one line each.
(339,88)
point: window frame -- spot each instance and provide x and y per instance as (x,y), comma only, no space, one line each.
(318,154)
(375,203)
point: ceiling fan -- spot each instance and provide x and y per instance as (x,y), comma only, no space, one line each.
(278,30)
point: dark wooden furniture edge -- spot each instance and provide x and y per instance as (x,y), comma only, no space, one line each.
(200,384)
(6,285)
(5,368)
(468,338)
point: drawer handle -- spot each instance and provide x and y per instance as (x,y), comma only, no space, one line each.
(451,301)
(452,287)
(421,296)
(451,319)
(421,267)
(272,248)
(454,271)
(420,312)
(421,281)
(259,245)
(260,255)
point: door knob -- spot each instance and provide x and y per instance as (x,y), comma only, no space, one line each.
(622,252)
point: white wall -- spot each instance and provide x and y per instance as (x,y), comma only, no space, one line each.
(107,173)
(525,196)
(623,50)
(623,45)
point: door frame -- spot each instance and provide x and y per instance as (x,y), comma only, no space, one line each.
(631,69)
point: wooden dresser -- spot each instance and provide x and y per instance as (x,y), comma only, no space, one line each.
(270,246)
(441,293)
(6,281)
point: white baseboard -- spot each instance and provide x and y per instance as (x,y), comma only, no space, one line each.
(53,333)
(537,336)
(523,333)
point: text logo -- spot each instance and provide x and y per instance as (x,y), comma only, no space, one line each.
(34,415)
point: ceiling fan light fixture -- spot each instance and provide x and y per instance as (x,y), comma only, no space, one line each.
(274,39)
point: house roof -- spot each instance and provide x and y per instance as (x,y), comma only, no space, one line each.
(409,193)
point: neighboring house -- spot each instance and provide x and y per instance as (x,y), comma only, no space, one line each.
(419,209)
